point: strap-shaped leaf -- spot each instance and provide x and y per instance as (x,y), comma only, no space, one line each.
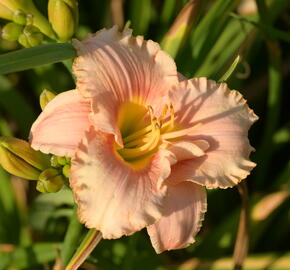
(33,57)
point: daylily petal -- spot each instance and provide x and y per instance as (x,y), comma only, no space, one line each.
(113,197)
(60,127)
(183,150)
(225,119)
(115,67)
(184,210)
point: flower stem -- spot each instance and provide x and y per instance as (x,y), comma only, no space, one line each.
(71,239)
(88,244)
(242,240)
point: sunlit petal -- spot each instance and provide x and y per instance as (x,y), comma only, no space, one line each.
(115,67)
(224,119)
(60,127)
(184,210)
(111,196)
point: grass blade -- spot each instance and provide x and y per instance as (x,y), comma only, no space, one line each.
(180,28)
(33,57)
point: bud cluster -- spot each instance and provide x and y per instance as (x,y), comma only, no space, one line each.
(28,26)
(22,30)
(18,158)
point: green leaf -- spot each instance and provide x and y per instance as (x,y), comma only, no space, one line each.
(10,100)
(26,257)
(224,49)
(180,29)
(72,238)
(9,216)
(231,69)
(33,57)
(209,29)
(140,15)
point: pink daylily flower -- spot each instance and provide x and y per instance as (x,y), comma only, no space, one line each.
(145,142)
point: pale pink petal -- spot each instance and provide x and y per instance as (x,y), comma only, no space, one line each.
(183,150)
(112,196)
(224,119)
(114,68)
(60,127)
(184,210)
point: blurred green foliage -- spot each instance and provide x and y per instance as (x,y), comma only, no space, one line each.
(33,226)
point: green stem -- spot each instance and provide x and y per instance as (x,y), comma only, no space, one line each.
(71,239)
(242,240)
(88,244)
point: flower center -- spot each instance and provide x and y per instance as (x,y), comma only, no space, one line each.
(143,139)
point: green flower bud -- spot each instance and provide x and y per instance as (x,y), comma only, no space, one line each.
(30,37)
(18,158)
(45,97)
(50,180)
(63,16)
(23,149)
(66,170)
(19,17)
(11,31)
(8,7)
(54,162)
(61,161)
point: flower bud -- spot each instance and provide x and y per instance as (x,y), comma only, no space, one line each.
(66,170)
(63,16)
(50,180)
(19,17)
(18,158)
(45,97)
(23,149)
(11,31)
(30,37)
(5,12)
(61,161)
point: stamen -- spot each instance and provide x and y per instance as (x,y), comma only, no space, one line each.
(179,133)
(172,118)
(147,147)
(142,131)
(165,109)
(138,142)
(137,134)
(168,126)
(145,141)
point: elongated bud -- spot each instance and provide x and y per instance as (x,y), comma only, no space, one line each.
(5,12)
(30,37)
(50,180)
(11,31)
(45,97)
(23,149)
(19,17)
(63,16)
(18,158)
